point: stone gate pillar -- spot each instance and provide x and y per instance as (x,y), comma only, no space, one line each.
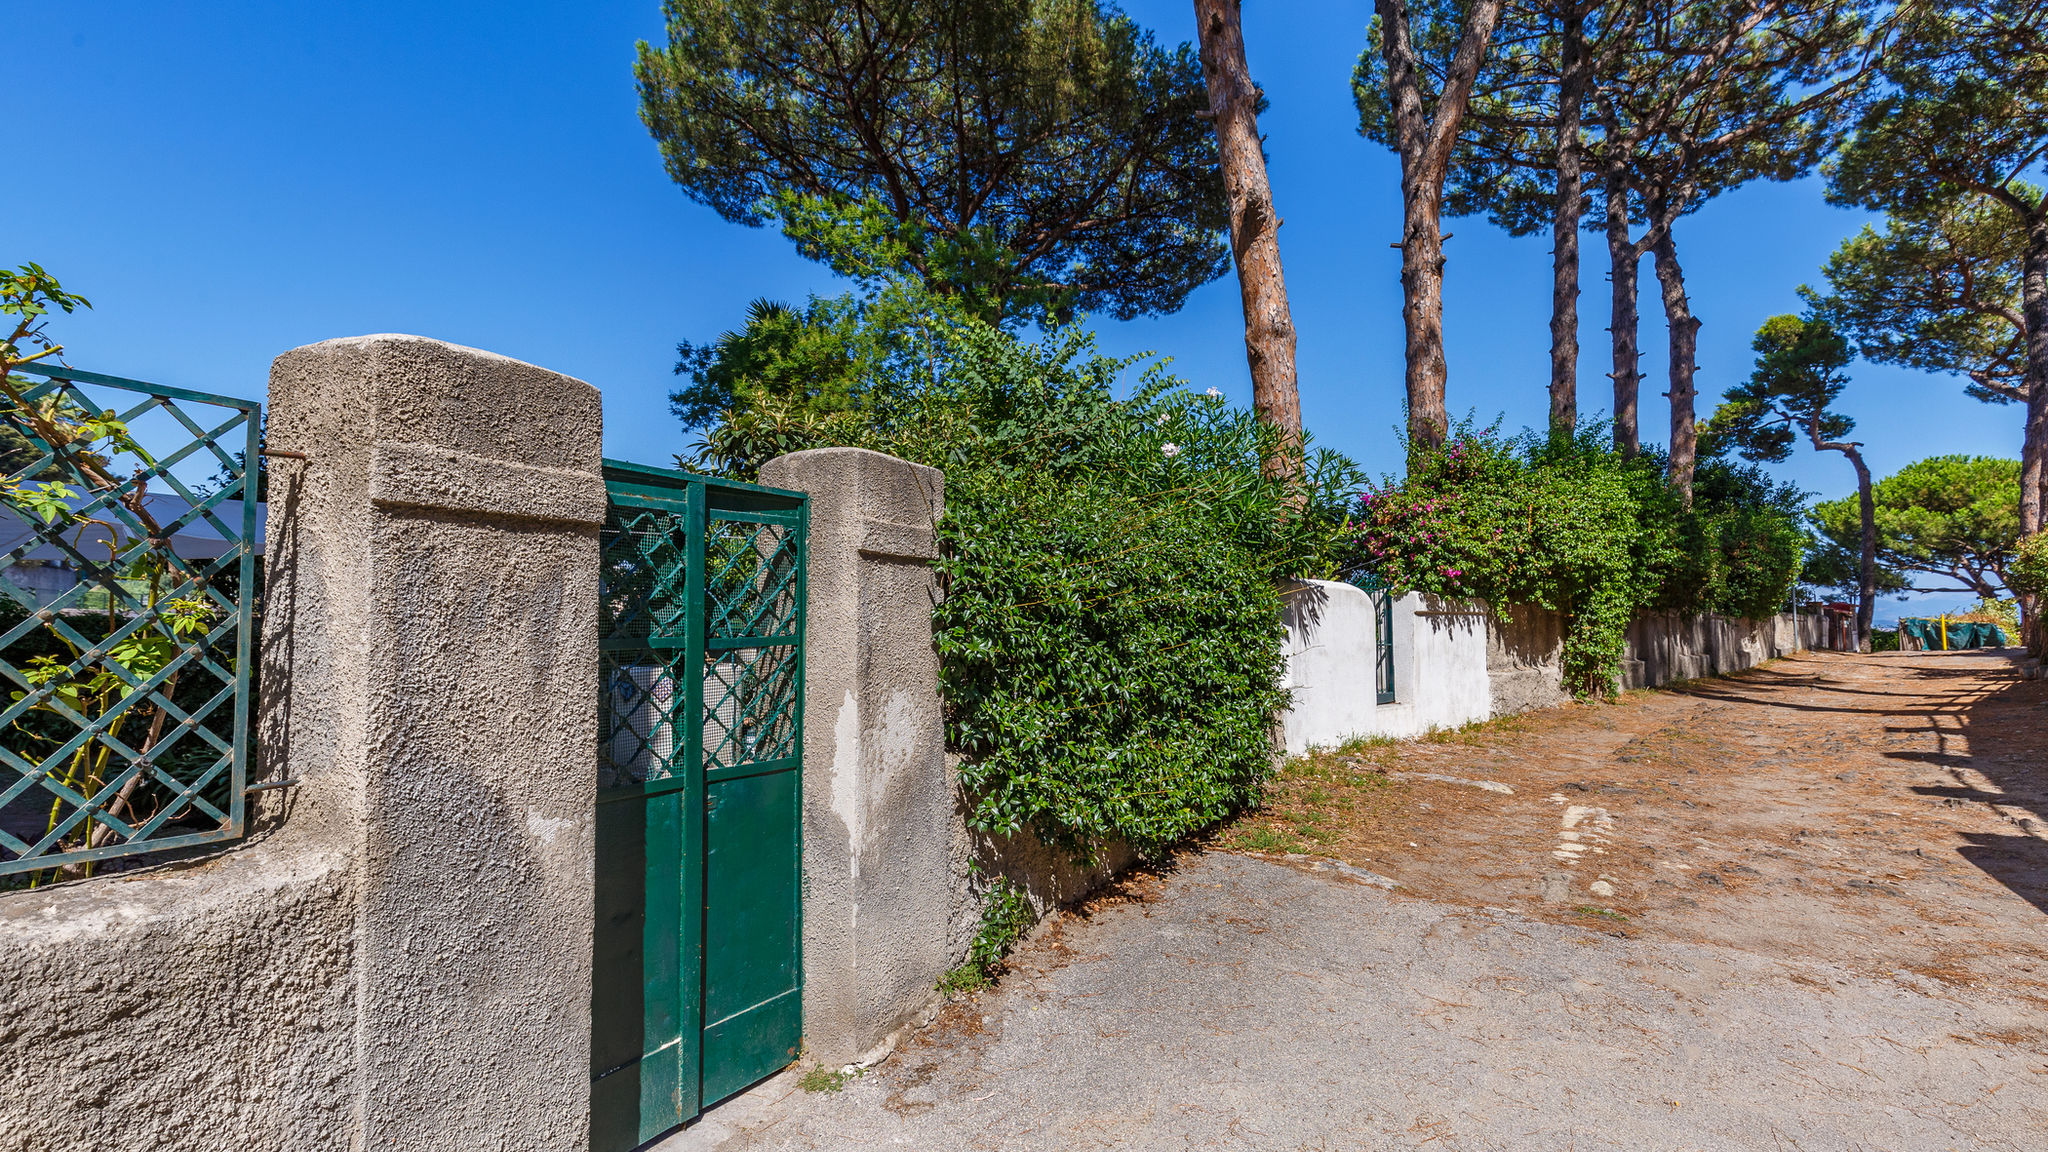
(430,677)
(878,798)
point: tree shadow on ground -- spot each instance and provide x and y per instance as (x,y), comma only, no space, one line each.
(1994,749)
(1766,685)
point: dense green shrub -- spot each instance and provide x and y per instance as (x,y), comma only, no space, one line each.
(1110,637)
(1563,522)
(1741,543)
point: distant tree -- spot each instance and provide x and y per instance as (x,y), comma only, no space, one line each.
(809,357)
(1952,517)
(1406,105)
(1026,152)
(1663,104)
(1798,376)
(1960,134)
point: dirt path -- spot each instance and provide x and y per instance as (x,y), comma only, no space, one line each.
(1886,812)
(1803,908)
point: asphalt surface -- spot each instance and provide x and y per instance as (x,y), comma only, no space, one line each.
(1237,1002)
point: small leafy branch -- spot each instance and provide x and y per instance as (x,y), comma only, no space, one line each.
(80,443)
(70,689)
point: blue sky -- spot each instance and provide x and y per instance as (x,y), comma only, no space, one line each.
(229,180)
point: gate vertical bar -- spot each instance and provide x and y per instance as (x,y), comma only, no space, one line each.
(691,669)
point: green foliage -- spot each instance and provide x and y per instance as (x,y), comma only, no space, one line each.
(1955,517)
(2003,612)
(823,1079)
(1709,96)
(1565,523)
(1006,914)
(1798,375)
(1964,112)
(1110,635)
(1937,290)
(810,357)
(1740,544)
(794,379)
(1561,523)
(1015,151)
(2028,572)
(1835,566)
(28,294)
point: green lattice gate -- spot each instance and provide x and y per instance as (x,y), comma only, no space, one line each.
(698,985)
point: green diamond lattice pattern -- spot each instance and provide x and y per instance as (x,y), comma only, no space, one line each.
(746,660)
(127,598)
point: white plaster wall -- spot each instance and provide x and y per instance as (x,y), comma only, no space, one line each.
(1446,683)
(1440,665)
(1330,653)
(1454,663)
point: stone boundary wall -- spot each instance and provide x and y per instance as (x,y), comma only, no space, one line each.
(398,956)
(1456,662)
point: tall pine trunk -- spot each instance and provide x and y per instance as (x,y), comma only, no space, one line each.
(1564,233)
(2034,447)
(1866,572)
(1684,356)
(1422,305)
(1621,258)
(1254,227)
(2034,310)
(1423,137)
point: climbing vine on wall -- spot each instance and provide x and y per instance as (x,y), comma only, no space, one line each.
(1563,522)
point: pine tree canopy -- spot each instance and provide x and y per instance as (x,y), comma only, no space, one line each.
(1026,153)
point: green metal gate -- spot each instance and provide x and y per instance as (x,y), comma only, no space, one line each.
(1383,647)
(697,982)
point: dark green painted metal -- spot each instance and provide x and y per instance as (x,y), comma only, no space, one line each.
(698,981)
(1383,642)
(38,778)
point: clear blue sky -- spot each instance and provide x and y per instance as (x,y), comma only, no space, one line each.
(229,180)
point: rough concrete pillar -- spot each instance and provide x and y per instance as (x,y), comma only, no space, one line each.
(430,678)
(878,799)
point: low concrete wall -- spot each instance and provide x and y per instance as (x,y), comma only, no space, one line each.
(1665,646)
(399,955)
(1440,665)
(1525,660)
(1456,662)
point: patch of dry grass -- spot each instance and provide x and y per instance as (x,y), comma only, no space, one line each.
(1326,803)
